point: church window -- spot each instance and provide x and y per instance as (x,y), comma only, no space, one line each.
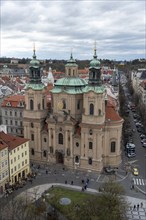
(91,109)
(76,159)
(32,151)
(69,72)
(78,104)
(73,72)
(64,104)
(5,112)
(113,146)
(32,137)
(90,161)
(45,140)
(90,132)
(60,138)
(68,152)
(10,113)
(43,103)
(99,111)
(44,153)
(90,145)
(77,144)
(31,124)
(31,104)
(39,106)
(51,150)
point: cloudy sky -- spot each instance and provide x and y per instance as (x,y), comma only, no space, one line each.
(59,26)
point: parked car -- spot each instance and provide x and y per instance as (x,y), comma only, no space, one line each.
(144,143)
(135,171)
(109,170)
(130,155)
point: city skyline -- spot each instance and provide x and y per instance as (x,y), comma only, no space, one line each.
(59,27)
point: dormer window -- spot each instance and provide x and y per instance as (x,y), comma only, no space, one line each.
(8,104)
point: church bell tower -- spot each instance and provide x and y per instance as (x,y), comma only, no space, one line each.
(35,109)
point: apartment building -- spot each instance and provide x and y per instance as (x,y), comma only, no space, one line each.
(12,114)
(4,165)
(19,163)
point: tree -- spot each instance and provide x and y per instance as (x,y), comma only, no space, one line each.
(109,204)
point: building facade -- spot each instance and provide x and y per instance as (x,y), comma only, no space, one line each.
(12,114)
(83,130)
(4,165)
(19,160)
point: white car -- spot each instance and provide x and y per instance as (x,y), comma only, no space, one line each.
(131,155)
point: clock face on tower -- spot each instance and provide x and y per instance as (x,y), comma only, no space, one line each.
(60,105)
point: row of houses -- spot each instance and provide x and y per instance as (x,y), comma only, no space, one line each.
(14,160)
(138,79)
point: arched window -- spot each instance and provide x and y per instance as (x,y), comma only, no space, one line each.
(31,104)
(90,145)
(64,104)
(32,151)
(90,161)
(44,153)
(78,104)
(91,109)
(113,146)
(76,159)
(43,103)
(99,111)
(32,137)
(60,138)
(31,124)
(90,132)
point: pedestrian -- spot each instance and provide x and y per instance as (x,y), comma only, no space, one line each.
(141,205)
(85,187)
(83,181)
(134,207)
(46,171)
(137,207)
(87,180)
(65,181)
(72,182)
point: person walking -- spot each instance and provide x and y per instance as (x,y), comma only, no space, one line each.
(141,204)
(137,207)
(134,207)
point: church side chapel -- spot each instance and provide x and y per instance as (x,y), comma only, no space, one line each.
(83,130)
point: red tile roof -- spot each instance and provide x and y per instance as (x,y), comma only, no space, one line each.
(12,141)
(3,145)
(111,113)
(13,100)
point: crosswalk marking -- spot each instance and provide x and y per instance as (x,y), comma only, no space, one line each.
(138,181)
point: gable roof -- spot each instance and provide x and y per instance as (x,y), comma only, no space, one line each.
(11,140)
(13,101)
(111,113)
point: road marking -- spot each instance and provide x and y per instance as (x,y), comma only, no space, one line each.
(138,181)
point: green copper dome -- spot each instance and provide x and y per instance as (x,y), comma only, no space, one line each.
(71,62)
(34,62)
(71,85)
(95,63)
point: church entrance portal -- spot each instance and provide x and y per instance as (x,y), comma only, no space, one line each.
(59,157)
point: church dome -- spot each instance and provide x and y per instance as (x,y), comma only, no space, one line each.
(95,63)
(34,62)
(71,62)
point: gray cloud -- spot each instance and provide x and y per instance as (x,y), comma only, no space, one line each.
(57,26)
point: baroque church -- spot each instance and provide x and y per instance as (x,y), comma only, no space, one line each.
(83,130)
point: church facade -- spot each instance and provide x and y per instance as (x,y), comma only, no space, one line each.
(83,130)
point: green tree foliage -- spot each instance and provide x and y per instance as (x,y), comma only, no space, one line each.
(109,204)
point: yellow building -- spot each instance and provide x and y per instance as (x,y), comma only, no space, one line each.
(19,162)
(4,169)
